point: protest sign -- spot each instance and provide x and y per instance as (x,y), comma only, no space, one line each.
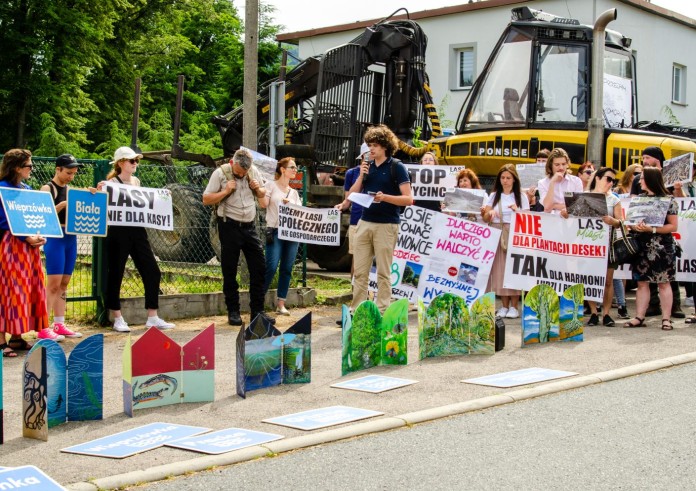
(218,442)
(428,182)
(686,237)
(30,212)
(266,165)
(436,253)
(530,174)
(648,209)
(309,225)
(86,212)
(585,204)
(465,200)
(374,383)
(27,477)
(678,169)
(321,418)
(547,249)
(519,377)
(618,101)
(136,206)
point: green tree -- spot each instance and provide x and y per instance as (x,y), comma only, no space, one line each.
(543,301)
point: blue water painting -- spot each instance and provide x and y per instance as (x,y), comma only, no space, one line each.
(56,388)
(85,380)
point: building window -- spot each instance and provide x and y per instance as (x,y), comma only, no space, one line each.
(678,84)
(462,66)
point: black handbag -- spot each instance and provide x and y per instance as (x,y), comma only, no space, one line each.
(269,235)
(624,248)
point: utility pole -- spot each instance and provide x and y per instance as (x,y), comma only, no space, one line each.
(251,65)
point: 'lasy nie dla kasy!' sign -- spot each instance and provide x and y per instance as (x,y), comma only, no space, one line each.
(139,207)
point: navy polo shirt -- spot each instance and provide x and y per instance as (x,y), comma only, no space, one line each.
(355,209)
(379,178)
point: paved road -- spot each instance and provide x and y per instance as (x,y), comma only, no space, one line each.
(635,433)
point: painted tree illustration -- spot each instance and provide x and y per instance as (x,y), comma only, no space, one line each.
(575,294)
(540,299)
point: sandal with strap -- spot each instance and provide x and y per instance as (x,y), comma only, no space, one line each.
(667,325)
(691,319)
(631,324)
(7,352)
(19,344)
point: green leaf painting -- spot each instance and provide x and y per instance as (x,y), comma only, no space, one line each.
(449,328)
(546,318)
(370,339)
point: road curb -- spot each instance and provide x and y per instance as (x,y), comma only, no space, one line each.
(373,426)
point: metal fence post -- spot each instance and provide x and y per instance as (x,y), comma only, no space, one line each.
(101,169)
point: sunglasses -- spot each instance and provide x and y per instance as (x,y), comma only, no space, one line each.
(610,179)
(133,161)
(588,172)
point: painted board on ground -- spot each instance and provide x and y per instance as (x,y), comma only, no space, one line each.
(371,339)
(27,477)
(266,357)
(34,400)
(374,383)
(447,327)
(321,418)
(72,388)
(157,371)
(548,318)
(519,377)
(223,441)
(135,441)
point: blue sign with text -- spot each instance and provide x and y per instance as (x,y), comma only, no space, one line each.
(27,477)
(135,441)
(85,213)
(374,383)
(30,212)
(321,418)
(519,377)
(223,441)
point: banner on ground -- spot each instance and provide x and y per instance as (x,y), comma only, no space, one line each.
(685,236)
(309,225)
(30,212)
(436,253)
(429,182)
(137,206)
(548,249)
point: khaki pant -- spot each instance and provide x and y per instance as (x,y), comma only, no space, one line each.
(373,240)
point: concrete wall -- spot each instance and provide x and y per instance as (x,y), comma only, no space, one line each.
(206,304)
(658,42)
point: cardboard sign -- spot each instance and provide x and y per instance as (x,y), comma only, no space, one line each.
(223,441)
(544,248)
(678,169)
(650,210)
(519,377)
(157,371)
(135,441)
(266,357)
(448,328)
(530,174)
(465,200)
(586,204)
(429,182)
(59,390)
(370,339)
(374,383)
(136,206)
(30,212)
(547,318)
(618,101)
(309,225)
(322,418)
(27,477)
(86,213)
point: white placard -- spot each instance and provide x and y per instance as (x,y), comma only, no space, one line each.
(137,206)
(309,225)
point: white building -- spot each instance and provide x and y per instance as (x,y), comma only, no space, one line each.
(461,38)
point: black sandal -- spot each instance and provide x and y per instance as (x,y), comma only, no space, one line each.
(7,352)
(631,324)
(691,319)
(667,325)
(19,344)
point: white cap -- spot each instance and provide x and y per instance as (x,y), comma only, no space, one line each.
(126,153)
(364,148)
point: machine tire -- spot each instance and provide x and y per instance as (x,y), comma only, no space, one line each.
(331,258)
(189,241)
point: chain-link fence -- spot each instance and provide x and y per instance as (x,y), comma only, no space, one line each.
(188,256)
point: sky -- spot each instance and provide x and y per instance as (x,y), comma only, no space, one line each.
(299,15)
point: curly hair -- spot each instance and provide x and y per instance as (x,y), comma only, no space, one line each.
(384,137)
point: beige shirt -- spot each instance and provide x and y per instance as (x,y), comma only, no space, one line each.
(276,199)
(241,204)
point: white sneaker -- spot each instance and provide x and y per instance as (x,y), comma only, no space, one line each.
(159,323)
(512,313)
(689,302)
(502,312)
(120,325)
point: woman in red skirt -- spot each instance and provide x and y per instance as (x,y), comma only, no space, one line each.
(22,290)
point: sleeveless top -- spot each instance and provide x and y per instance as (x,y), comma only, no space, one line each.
(60,194)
